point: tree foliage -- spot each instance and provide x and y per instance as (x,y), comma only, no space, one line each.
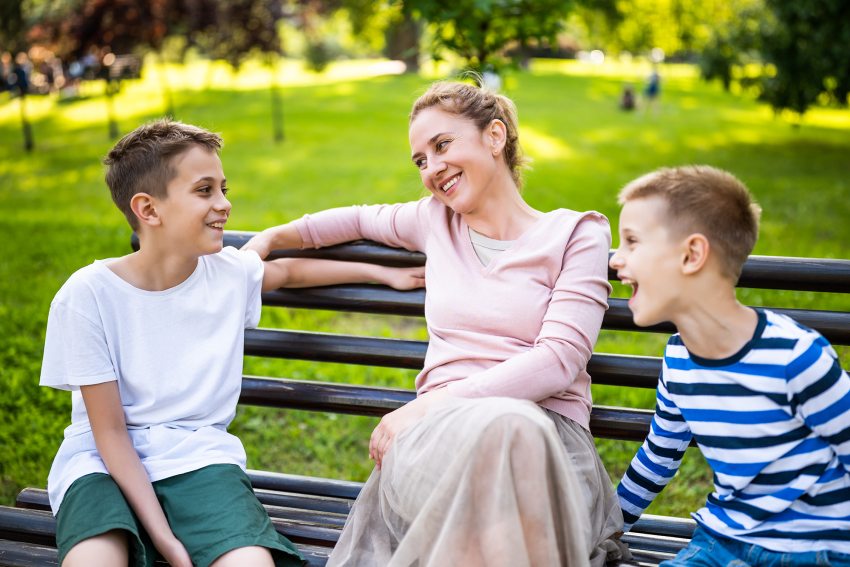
(479,31)
(810,50)
(801,46)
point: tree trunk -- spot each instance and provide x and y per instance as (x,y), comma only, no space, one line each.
(403,42)
(29,143)
(277,101)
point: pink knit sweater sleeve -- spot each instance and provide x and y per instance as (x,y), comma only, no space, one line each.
(569,330)
(402,225)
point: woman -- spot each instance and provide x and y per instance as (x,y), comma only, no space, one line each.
(492,464)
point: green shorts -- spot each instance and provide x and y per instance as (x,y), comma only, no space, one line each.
(212,510)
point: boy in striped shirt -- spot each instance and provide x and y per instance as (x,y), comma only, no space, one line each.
(764,398)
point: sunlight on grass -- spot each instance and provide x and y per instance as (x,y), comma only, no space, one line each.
(543,146)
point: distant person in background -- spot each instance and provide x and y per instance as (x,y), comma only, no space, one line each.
(653,89)
(627,100)
(5,69)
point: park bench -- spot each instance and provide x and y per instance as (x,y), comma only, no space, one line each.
(311,511)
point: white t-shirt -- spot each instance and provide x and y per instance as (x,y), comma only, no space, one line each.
(177,357)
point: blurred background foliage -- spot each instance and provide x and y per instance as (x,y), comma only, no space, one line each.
(792,54)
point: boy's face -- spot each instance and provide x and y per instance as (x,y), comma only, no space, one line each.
(649,259)
(195,208)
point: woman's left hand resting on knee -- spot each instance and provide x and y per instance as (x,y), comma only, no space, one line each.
(398,420)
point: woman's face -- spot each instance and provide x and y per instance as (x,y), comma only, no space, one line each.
(457,162)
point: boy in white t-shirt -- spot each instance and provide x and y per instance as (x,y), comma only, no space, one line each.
(151,344)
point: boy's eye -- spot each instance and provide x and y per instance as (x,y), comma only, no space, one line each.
(204,189)
(224,190)
(442,145)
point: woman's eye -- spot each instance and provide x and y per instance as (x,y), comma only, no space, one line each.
(204,189)
(420,163)
(224,190)
(442,145)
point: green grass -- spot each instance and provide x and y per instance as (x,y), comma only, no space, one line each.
(346,143)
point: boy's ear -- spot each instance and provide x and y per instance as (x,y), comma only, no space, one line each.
(695,254)
(143,206)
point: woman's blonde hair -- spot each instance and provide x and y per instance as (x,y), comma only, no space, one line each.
(481,106)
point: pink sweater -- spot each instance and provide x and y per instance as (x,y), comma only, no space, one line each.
(522,327)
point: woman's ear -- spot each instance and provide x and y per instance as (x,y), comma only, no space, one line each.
(697,249)
(143,206)
(496,134)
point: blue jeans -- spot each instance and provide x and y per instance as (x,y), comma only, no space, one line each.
(708,550)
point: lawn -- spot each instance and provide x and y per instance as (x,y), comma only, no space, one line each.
(346,143)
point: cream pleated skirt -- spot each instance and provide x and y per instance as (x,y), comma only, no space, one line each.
(486,482)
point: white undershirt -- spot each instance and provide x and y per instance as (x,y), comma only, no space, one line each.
(487,248)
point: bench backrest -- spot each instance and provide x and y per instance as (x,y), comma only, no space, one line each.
(764,272)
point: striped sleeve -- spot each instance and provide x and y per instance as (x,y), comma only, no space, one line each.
(658,459)
(819,392)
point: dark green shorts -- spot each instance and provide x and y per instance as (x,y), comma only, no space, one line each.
(212,510)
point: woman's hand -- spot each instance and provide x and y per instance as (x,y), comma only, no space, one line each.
(261,243)
(404,278)
(397,421)
(174,552)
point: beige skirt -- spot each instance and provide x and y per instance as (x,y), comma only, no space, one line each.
(486,482)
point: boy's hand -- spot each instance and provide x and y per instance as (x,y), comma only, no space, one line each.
(174,552)
(404,278)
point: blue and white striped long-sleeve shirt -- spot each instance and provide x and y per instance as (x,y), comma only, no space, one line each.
(773,421)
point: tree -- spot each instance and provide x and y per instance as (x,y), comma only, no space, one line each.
(241,29)
(809,50)
(801,48)
(479,31)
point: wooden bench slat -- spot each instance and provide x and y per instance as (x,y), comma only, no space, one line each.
(318,486)
(380,300)
(608,422)
(37,499)
(834,325)
(30,526)
(646,542)
(611,369)
(327,347)
(22,554)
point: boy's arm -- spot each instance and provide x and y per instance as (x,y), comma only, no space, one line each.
(656,462)
(309,272)
(103,406)
(820,391)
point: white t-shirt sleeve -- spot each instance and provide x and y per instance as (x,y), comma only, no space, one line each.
(254,268)
(75,351)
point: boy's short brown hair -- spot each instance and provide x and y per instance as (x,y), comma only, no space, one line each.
(707,200)
(141,162)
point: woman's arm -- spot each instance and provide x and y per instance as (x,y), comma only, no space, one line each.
(104,409)
(402,225)
(308,272)
(275,238)
(568,331)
